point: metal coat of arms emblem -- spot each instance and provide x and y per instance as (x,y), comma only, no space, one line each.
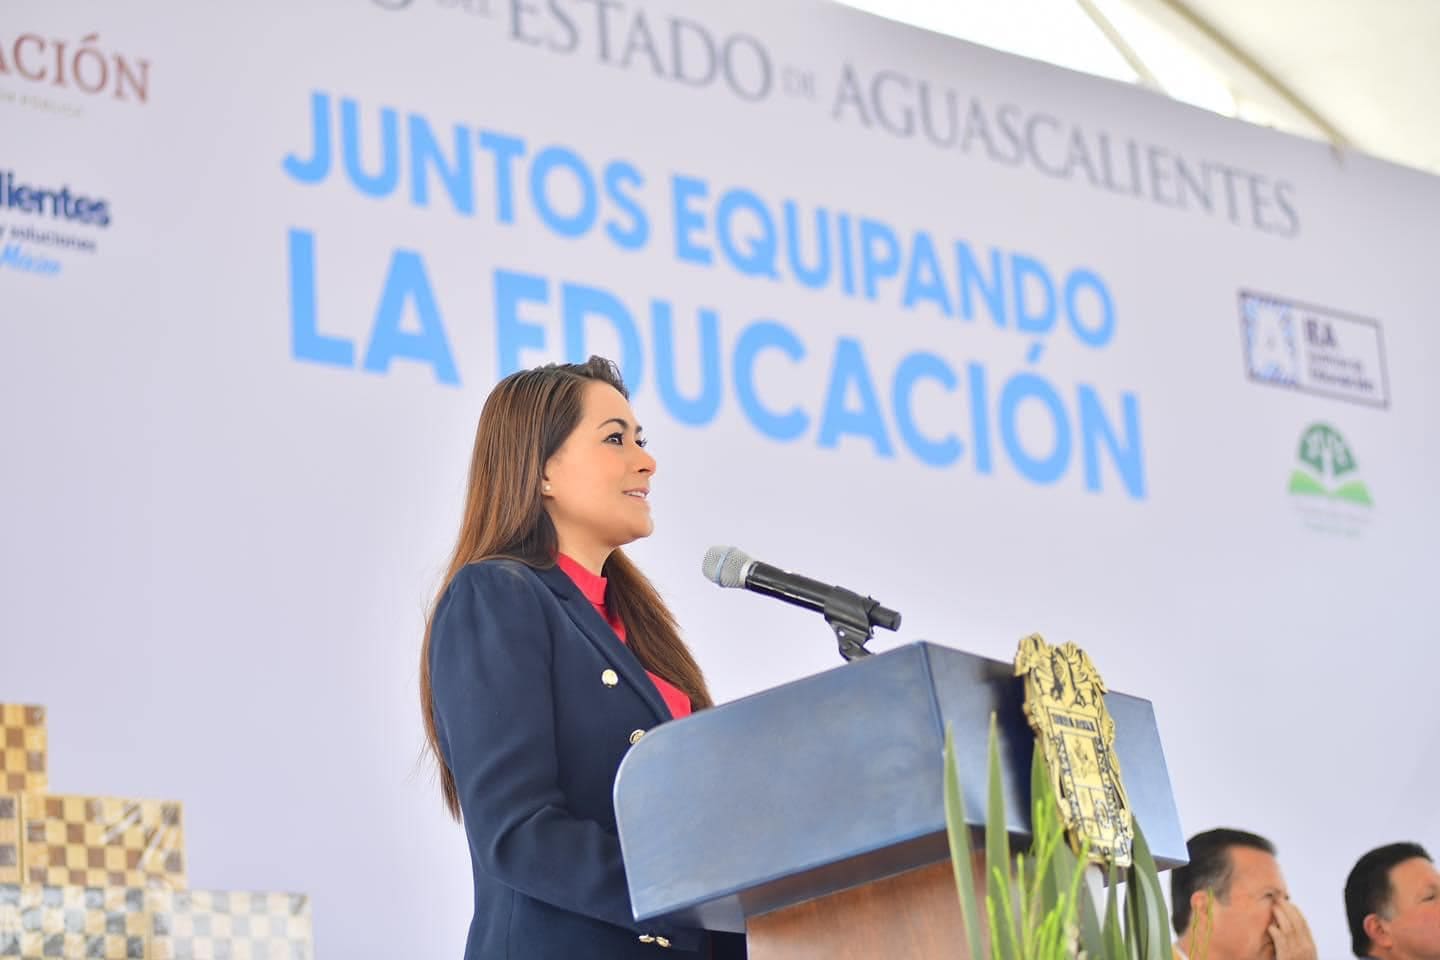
(1065,704)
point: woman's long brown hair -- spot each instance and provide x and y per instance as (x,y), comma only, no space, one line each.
(524,421)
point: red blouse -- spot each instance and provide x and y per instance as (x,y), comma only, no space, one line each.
(593,586)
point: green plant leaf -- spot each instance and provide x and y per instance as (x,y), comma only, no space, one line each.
(1004,940)
(1025,929)
(1207,930)
(1114,936)
(1043,823)
(1073,867)
(1059,875)
(1004,936)
(958,827)
(997,838)
(1137,917)
(1145,871)
(1134,922)
(991,911)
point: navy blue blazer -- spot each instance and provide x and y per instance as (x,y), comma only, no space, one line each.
(534,737)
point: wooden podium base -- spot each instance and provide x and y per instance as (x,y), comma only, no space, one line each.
(915,915)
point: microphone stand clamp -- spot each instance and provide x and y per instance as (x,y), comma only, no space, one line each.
(850,616)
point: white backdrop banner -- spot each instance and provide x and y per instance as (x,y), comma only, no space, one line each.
(1008,347)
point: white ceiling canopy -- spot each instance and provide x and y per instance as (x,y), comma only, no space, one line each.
(1357,75)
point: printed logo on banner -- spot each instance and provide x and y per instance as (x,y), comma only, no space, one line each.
(62,75)
(1313,349)
(1326,483)
(40,222)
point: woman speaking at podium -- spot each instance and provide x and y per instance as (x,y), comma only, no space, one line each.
(546,656)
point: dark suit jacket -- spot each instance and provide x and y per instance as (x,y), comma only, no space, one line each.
(534,738)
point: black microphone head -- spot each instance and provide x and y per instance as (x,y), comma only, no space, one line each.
(726,566)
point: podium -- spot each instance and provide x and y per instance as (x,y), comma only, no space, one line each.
(811,816)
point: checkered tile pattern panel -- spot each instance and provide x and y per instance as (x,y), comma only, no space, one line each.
(42,922)
(22,749)
(131,923)
(210,925)
(9,838)
(101,842)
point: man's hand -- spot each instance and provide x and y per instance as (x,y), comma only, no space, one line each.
(1291,934)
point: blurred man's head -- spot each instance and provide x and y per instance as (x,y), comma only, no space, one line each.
(1223,901)
(1392,900)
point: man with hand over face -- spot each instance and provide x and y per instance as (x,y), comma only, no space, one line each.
(1230,902)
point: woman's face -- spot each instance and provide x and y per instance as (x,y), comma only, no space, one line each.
(598,481)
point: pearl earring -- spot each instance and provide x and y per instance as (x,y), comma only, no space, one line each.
(547,488)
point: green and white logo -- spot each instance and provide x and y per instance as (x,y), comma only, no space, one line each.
(1327,468)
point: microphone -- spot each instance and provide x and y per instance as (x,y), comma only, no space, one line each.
(733,567)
